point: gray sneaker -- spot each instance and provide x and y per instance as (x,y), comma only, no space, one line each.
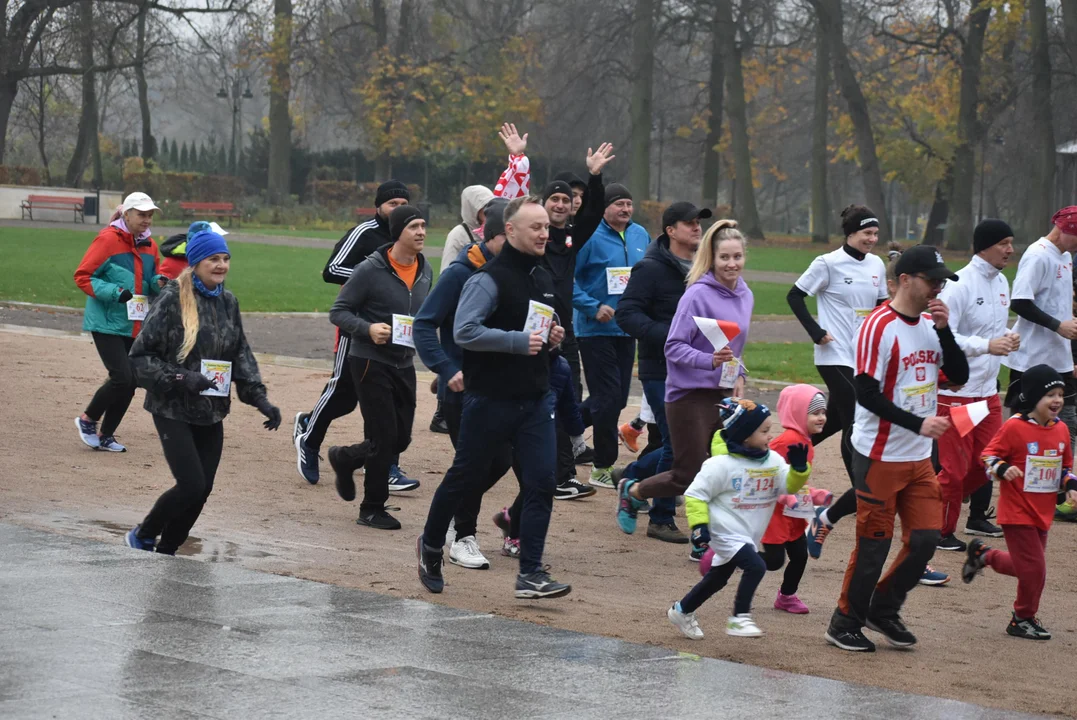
(539,585)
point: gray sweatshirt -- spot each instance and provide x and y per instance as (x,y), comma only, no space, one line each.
(373,294)
(478,300)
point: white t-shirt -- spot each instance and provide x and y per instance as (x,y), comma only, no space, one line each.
(1045,276)
(979,306)
(905,359)
(740,494)
(847,290)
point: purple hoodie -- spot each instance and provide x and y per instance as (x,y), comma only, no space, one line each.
(688,352)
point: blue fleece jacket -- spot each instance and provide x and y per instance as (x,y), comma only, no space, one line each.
(605,249)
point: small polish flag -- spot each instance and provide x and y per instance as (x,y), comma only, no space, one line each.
(719,332)
(966,417)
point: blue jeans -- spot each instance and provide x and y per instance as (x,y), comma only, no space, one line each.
(660,460)
(485,423)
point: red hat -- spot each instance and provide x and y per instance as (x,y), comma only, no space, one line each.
(1066,220)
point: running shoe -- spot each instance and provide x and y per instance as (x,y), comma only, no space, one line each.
(666,532)
(982,527)
(109,444)
(742,626)
(572,489)
(87,432)
(510,547)
(429,564)
(850,640)
(1066,511)
(603,478)
(132,540)
(697,553)
(345,482)
(975,561)
(438,424)
(306,461)
(816,534)
(893,630)
(399,482)
(790,604)
(378,519)
(465,553)
(1029,629)
(502,521)
(586,456)
(952,543)
(537,585)
(931,576)
(628,507)
(629,436)
(299,426)
(685,622)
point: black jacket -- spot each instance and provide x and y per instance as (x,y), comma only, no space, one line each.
(356,245)
(560,257)
(649,303)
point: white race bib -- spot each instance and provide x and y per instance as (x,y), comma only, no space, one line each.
(617,279)
(861,316)
(1043,474)
(402,330)
(920,400)
(539,319)
(137,307)
(730,373)
(758,488)
(220,372)
(804,508)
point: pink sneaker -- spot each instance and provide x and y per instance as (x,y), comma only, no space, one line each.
(791,604)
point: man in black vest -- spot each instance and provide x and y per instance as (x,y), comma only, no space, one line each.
(505,324)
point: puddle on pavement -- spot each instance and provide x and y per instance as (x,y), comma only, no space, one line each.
(195,547)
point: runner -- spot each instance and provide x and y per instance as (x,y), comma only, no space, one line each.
(603,266)
(339,397)
(899,350)
(848,284)
(191,351)
(501,323)
(579,190)
(980,308)
(376,307)
(118,273)
(698,377)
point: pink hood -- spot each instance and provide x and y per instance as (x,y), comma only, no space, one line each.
(793,405)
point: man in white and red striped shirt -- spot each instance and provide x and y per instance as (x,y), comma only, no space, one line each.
(899,351)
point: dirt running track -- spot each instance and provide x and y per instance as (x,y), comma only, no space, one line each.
(263,515)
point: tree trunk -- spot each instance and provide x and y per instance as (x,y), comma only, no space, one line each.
(959,225)
(711,158)
(382,164)
(820,203)
(280,86)
(1042,188)
(87,132)
(830,15)
(1069,21)
(940,210)
(642,92)
(737,110)
(149,144)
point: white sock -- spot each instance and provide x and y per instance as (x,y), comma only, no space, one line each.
(825,519)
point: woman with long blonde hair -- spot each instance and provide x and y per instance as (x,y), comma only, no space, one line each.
(190,352)
(698,376)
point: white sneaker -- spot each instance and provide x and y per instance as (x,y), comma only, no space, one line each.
(742,626)
(465,553)
(685,622)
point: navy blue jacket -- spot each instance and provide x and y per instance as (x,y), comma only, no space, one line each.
(568,411)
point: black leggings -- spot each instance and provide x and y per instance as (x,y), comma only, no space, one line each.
(752,571)
(774,557)
(193,453)
(840,412)
(113,398)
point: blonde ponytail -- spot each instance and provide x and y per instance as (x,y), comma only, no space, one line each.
(715,235)
(188,313)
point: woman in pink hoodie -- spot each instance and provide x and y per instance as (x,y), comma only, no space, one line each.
(802,412)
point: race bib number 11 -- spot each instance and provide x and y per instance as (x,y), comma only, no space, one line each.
(402,330)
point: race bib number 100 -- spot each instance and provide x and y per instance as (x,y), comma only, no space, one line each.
(1043,474)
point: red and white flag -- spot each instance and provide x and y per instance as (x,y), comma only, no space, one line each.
(966,417)
(719,332)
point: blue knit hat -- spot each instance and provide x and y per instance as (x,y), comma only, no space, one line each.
(196,227)
(203,245)
(741,418)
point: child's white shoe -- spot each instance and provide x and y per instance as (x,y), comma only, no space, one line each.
(742,626)
(685,622)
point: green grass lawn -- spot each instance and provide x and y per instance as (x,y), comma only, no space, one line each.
(790,362)
(770,299)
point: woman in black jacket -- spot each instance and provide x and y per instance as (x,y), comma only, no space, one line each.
(191,349)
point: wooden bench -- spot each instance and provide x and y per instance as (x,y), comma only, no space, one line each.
(366,212)
(211,209)
(52,202)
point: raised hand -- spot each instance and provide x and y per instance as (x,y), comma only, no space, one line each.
(516,145)
(598,159)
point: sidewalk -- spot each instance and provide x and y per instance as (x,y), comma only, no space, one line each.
(90,630)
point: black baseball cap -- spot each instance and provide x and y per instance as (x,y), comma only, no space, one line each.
(924,260)
(683,212)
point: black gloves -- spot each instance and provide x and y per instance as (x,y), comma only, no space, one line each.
(125,295)
(272,413)
(194,382)
(701,536)
(798,457)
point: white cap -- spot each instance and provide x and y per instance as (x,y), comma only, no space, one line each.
(218,229)
(139,201)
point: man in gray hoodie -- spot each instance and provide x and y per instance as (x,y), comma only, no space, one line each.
(375,307)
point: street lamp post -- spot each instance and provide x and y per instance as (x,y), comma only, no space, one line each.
(237,108)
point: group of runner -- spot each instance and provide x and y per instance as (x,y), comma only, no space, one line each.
(535,286)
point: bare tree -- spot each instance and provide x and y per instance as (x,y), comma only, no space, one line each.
(820,202)
(716,89)
(280,89)
(1041,201)
(643,46)
(737,110)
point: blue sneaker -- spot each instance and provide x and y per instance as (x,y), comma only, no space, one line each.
(399,482)
(299,427)
(932,576)
(132,540)
(109,444)
(87,432)
(816,534)
(306,461)
(628,507)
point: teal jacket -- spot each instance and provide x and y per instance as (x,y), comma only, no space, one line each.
(605,249)
(114,262)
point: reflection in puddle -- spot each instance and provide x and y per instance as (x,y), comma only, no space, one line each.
(195,547)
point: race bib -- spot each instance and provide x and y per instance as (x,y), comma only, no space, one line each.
(137,307)
(617,279)
(402,330)
(920,399)
(1043,474)
(730,373)
(220,372)
(758,488)
(862,315)
(539,319)
(804,508)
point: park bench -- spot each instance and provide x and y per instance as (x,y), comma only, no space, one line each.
(366,212)
(211,209)
(52,202)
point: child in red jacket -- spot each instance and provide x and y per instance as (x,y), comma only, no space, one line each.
(1032,455)
(802,412)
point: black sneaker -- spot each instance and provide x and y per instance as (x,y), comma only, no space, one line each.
(438,425)
(572,489)
(1027,629)
(429,562)
(974,562)
(585,456)
(379,520)
(893,630)
(345,481)
(951,543)
(697,553)
(667,532)
(851,640)
(982,527)
(306,461)
(539,585)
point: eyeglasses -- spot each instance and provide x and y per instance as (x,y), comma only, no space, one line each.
(938,284)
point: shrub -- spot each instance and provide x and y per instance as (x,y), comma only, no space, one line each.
(19,175)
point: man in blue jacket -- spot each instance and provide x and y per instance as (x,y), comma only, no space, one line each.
(603,267)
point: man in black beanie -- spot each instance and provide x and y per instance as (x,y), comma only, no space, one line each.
(979,313)
(579,188)
(338,397)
